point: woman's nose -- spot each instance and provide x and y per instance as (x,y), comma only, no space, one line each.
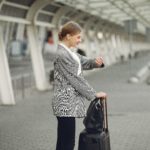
(80,40)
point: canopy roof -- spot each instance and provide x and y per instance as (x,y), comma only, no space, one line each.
(42,12)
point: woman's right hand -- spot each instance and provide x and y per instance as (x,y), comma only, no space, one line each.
(102,95)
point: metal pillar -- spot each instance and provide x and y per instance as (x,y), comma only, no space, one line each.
(56,22)
(6,89)
(130,27)
(87,40)
(55,37)
(106,53)
(37,59)
(100,42)
(120,45)
(20,32)
(36,55)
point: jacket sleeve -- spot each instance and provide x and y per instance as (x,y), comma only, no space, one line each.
(88,64)
(68,70)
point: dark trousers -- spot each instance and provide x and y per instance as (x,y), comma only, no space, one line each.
(65,133)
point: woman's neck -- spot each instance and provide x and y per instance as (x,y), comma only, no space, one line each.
(66,43)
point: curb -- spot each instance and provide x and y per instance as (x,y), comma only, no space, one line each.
(141,75)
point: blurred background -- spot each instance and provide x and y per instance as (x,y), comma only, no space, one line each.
(117,30)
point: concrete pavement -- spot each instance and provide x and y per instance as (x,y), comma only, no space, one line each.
(30,125)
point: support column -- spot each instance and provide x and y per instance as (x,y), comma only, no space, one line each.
(127,42)
(106,48)
(99,37)
(41,37)
(55,37)
(120,44)
(97,43)
(36,54)
(37,59)
(112,46)
(88,42)
(57,22)
(6,89)
(20,32)
(87,45)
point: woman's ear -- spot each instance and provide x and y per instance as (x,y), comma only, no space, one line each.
(68,36)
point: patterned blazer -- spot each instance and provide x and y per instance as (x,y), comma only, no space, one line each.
(70,89)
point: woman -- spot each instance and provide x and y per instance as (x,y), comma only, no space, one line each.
(70,87)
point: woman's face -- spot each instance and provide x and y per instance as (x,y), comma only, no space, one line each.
(74,40)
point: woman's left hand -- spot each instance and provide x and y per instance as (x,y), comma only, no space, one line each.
(99,61)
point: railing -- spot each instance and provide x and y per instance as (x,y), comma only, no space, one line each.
(23,85)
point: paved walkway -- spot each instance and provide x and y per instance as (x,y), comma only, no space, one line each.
(30,125)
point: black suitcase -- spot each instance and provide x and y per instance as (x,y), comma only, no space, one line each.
(99,140)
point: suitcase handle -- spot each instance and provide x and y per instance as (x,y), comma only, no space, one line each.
(104,105)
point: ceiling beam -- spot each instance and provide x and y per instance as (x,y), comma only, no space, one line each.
(132,12)
(97,5)
(1,3)
(14,19)
(16,5)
